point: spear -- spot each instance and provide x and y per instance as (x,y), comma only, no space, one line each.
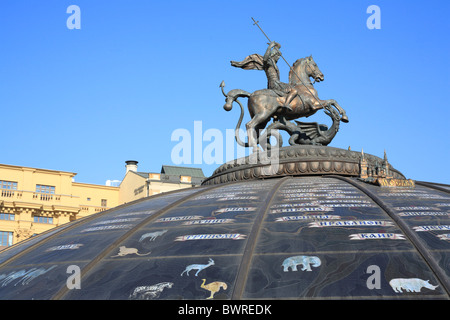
(257,24)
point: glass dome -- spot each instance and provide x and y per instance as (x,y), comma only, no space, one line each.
(285,237)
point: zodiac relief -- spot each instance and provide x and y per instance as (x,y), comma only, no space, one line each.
(305,261)
(149,292)
(124,251)
(213,287)
(198,267)
(410,285)
(151,236)
(23,276)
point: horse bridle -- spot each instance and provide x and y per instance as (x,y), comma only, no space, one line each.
(312,71)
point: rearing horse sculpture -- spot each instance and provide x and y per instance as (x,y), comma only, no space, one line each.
(266,104)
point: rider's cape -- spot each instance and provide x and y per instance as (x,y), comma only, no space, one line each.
(252,62)
(256,62)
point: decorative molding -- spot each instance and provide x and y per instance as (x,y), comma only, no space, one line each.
(23,233)
(389,182)
(295,161)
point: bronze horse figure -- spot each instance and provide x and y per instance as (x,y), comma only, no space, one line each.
(266,103)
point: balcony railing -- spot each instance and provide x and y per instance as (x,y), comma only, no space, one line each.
(88,209)
(8,193)
(49,199)
(46,196)
(32,196)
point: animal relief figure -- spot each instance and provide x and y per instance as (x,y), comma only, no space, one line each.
(151,236)
(32,274)
(410,285)
(124,251)
(213,287)
(306,261)
(24,277)
(150,292)
(198,267)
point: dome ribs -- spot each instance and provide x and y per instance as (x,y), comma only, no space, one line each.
(412,237)
(241,278)
(105,252)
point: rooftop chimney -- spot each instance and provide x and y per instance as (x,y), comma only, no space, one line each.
(131,165)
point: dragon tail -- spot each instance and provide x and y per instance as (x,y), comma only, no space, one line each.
(232,96)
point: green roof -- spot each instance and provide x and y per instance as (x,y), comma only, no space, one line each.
(182,171)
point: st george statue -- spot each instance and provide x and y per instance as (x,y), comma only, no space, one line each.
(268,63)
(284,101)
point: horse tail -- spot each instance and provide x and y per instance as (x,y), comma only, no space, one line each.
(231,97)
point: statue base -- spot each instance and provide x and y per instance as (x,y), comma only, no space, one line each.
(303,160)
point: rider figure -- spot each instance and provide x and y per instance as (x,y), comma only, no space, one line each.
(273,75)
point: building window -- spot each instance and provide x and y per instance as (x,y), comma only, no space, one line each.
(6,238)
(138,190)
(104,203)
(10,185)
(7,216)
(41,219)
(45,189)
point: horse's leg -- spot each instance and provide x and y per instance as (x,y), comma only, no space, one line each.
(261,107)
(260,127)
(312,104)
(332,102)
(252,127)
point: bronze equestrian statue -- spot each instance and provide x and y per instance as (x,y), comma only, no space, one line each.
(281,101)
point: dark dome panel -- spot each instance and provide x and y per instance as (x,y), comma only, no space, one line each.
(204,231)
(424,215)
(340,275)
(318,240)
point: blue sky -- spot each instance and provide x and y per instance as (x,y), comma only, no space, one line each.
(86,100)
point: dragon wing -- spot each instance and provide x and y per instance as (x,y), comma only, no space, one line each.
(311,129)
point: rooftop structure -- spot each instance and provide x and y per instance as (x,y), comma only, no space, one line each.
(137,184)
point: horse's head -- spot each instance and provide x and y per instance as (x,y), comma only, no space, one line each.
(313,70)
(305,68)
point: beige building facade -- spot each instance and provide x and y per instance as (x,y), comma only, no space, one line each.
(35,200)
(136,184)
